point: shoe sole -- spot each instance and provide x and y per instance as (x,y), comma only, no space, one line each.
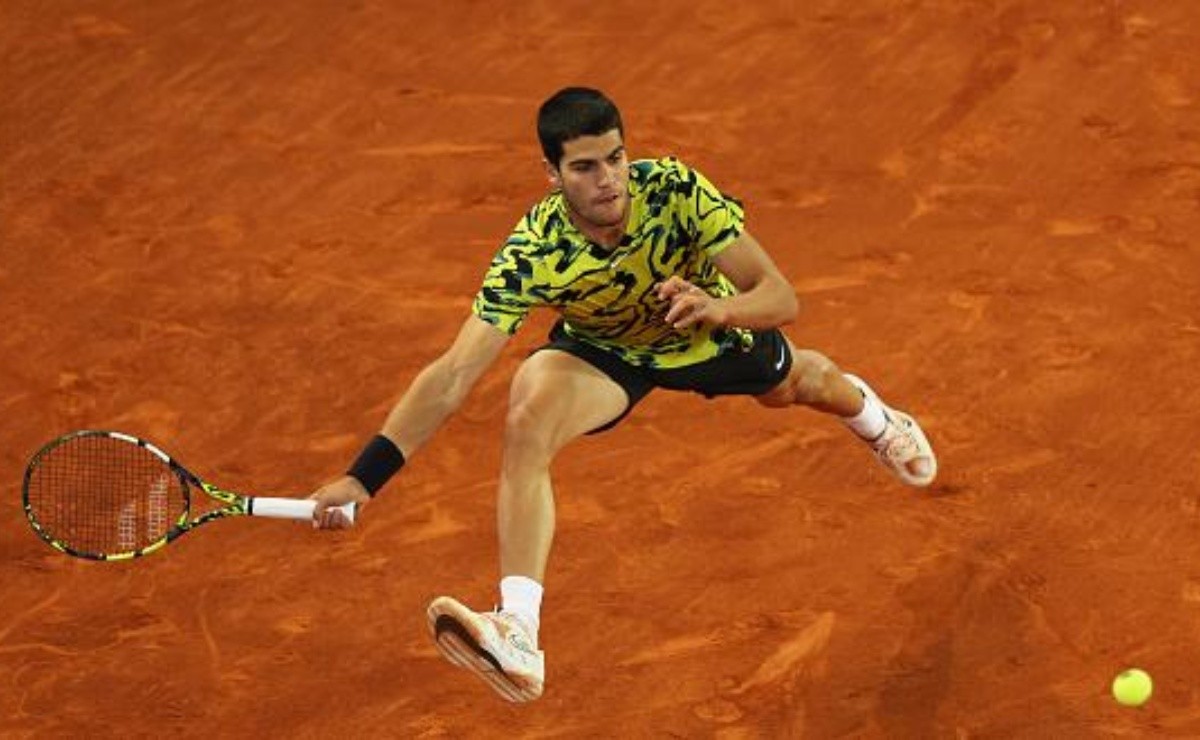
(913,426)
(459,642)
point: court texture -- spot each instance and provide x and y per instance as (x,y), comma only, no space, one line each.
(239,229)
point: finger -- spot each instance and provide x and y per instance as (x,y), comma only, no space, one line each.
(695,316)
(320,507)
(672,287)
(678,307)
(683,307)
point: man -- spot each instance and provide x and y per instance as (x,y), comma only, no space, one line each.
(657,285)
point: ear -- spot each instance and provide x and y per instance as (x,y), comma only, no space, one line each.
(552,175)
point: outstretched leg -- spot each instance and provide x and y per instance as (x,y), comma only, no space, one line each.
(815,381)
(556,397)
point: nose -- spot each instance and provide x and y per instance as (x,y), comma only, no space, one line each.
(610,175)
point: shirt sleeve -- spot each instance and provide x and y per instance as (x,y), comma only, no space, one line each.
(713,220)
(508,294)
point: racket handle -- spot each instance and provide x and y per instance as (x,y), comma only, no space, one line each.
(291,508)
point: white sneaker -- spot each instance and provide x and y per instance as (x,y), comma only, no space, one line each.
(902,447)
(496,646)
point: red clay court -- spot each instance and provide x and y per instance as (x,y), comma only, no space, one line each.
(239,230)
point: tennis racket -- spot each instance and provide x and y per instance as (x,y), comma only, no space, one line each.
(111,496)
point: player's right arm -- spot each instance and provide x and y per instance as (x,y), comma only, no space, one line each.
(436,393)
(439,390)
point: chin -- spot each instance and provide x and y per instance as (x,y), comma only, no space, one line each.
(613,217)
(602,218)
(609,221)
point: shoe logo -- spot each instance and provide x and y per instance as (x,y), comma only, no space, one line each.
(519,642)
(782,356)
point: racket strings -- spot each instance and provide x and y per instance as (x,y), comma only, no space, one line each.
(100,495)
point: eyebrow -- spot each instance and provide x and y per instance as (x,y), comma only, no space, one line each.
(588,160)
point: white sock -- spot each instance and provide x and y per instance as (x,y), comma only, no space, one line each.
(523,597)
(870,422)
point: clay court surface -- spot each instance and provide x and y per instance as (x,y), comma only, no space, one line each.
(239,230)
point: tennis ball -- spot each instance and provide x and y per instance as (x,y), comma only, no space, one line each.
(1132,687)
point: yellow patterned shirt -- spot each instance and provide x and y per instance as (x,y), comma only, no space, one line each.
(677,222)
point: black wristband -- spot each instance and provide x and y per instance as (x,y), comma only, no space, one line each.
(377,463)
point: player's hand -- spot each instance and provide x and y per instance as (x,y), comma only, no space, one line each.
(342,491)
(690,305)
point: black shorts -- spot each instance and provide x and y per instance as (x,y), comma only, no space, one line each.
(734,372)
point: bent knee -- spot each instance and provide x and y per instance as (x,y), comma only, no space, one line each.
(528,420)
(812,371)
(808,382)
(529,436)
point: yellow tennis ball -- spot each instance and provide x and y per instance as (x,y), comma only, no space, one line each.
(1132,687)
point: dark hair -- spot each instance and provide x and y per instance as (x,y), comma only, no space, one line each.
(573,112)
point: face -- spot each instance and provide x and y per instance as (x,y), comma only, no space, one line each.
(593,175)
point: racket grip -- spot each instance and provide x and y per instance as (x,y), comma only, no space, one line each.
(292,508)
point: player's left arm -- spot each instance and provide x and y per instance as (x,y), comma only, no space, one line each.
(765,299)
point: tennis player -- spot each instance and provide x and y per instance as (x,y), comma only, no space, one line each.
(657,284)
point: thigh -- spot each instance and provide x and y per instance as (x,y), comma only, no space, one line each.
(558,396)
(633,381)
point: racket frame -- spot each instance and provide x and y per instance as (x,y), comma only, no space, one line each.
(235,504)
